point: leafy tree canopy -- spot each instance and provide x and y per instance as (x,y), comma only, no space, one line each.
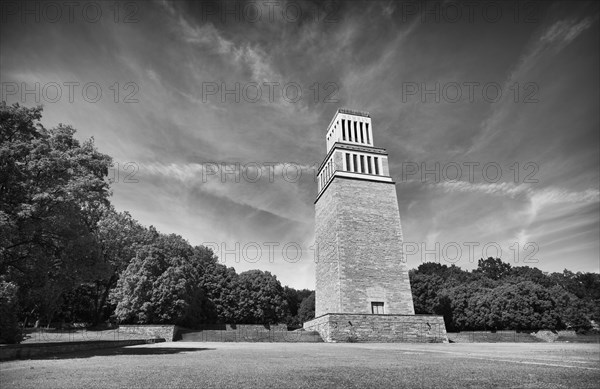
(498,296)
(52,192)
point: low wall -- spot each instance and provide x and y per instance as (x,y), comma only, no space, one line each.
(168,332)
(26,351)
(246,333)
(173,333)
(504,336)
(242,327)
(513,336)
(344,327)
(250,336)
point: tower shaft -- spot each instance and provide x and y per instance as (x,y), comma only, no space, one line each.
(361,267)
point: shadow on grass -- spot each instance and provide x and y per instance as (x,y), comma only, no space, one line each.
(114,351)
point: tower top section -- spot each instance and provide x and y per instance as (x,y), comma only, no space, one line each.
(351,127)
(350,151)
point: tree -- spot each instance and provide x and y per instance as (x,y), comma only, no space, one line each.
(262,300)
(582,285)
(515,306)
(425,289)
(52,190)
(443,306)
(467,313)
(573,311)
(119,235)
(162,284)
(222,288)
(492,268)
(306,311)
(526,273)
(294,299)
(525,305)
(431,268)
(428,280)
(9,324)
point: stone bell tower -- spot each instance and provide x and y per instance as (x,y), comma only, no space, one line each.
(362,290)
(361,267)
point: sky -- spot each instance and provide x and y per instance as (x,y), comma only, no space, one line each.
(215,114)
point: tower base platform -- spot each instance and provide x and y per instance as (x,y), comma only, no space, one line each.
(355,327)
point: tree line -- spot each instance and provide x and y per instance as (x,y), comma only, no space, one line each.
(497,296)
(67,256)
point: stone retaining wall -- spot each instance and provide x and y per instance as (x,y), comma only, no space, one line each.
(505,336)
(174,333)
(247,327)
(165,331)
(344,327)
(250,336)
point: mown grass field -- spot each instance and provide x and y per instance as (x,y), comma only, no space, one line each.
(314,365)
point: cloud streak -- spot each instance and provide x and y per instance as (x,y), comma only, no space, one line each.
(359,60)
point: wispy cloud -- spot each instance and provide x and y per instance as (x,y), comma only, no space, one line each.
(364,56)
(538,199)
(268,188)
(501,188)
(564,31)
(554,196)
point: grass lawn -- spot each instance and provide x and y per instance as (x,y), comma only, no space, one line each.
(314,365)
